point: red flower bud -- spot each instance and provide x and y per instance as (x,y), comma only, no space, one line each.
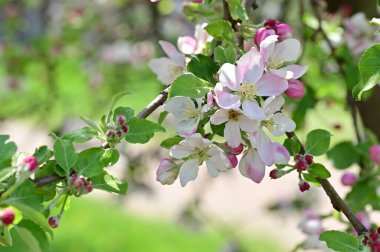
(111,133)
(119,133)
(124,128)
(298,157)
(296,89)
(374,153)
(53,221)
(309,159)
(303,186)
(197,1)
(31,163)
(121,119)
(7,216)
(276,173)
(301,165)
(348,179)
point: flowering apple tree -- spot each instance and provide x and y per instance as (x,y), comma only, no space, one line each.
(233,89)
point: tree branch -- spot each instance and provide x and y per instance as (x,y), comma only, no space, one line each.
(157,102)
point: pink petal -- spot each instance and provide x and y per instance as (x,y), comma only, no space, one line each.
(281,154)
(225,99)
(187,44)
(252,167)
(271,84)
(228,77)
(273,104)
(172,52)
(267,47)
(265,148)
(250,66)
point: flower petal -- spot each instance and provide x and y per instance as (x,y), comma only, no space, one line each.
(187,44)
(219,117)
(281,154)
(251,166)
(253,110)
(250,66)
(181,150)
(177,105)
(247,124)
(228,76)
(287,50)
(290,72)
(166,69)
(267,47)
(172,52)
(232,133)
(225,99)
(265,148)
(271,84)
(273,104)
(188,127)
(188,171)
(282,124)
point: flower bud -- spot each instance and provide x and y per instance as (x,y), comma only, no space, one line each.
(262,34)
(374,153)
(54,221)
(309,159)
(283,30)
(124,128)
(235,150)
(303,186)
(110,133)
(119,133)
(197,1)
(167,172)
(349,179)
(301,165)
(296,89)
(233,160)
(276,173)
(298,157)
(30,163)
(120,119)
(7,216)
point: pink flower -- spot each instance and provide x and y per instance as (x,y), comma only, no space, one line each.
(296,89)
(196,44)
(349,179)
(273,27)
(30,163)
(167,172)
(241,84)
(374,153)
(233,160)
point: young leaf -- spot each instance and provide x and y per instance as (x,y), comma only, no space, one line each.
(110,157)
(318,171)
(109,183)
(203,67)
(33,235)
(7,150)
(292,145)
(340,241)
(65,154)
(189,85)
(162,117)
(317,142)
(220,30)
(369,67)
(91,123)
(343,155)
(89,163)
(224,54)
(237,10)
(113,102)
(81,135)
(168,143)
(142,130)
(42,154)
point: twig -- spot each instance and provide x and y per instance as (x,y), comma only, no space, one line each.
(157,102)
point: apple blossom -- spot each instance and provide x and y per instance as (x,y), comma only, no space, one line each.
(186,113)
(167,172)
(168,68)
(198,150)
(272,27)
(196,44)
(241,84)
(296,89)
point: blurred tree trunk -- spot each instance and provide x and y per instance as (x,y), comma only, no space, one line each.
(368,109)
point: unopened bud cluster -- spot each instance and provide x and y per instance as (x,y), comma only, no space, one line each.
(303,161)
(372,240)
(54,221)
(117,132)
(79,185)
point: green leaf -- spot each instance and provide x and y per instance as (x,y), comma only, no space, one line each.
(109,183)
(318,171)
(6,173)
(142,130)
(369,68)
(224,54)
(317,142)
(292,145)
(91,123)
(363,193)
(125,111)
(7,150)
(218,129)
(65,154)
(203,67)
(110,157)
(189,85)
(343,155)
(6,238)
(33,235)
(43,154)
(115,99)
(89,163)
(220,30)
(310,178)
(168,143)
(81,135)
(162,117)
(340,241)
(237,10)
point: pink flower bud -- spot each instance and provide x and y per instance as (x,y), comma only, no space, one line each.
(197,1)
(30,163)
(349,179)
(119,133)
(296,89)
(276,173)
(283,30)
(303,186)
(301,165)
(89,187)
(374,153)
(298,157)
(309,159)
(120,119)
(111,133)
(235,150)
(262,34)
(233,160)
(124,128)
(167,172)
(7,216)
(54,221)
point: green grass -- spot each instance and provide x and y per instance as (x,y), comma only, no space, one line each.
(103,226)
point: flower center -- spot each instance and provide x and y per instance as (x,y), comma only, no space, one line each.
(201,154)
(176,70)
(269,124)
(248,91)
(275,63)
(233,115)
(190,111)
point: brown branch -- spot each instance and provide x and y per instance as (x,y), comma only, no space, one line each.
(157,102)
(47,180)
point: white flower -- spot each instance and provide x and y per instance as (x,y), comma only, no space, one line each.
(198,150)
(196,44)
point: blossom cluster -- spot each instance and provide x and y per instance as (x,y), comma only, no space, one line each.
(246,103)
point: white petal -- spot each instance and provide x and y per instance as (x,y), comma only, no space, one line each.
(232,133)
(253,110)
(187,127)
(250,66)
(217,163)
(290,72)
(267,46)
(181,150)
(251,166)
(188,171)
(287,50)
(187,45)
(247,124)
(177,105)
(165,69)
(265,148)
(197,141)
(271,84)
(172,52)
(225,99)
(282,124)
(273,104)
(228,76)
(219,117)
